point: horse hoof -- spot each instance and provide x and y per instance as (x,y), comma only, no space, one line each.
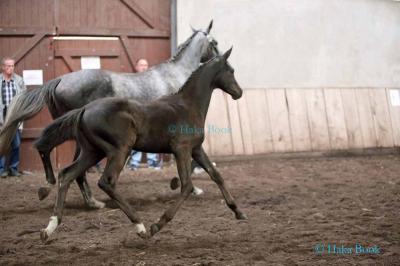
(175,183)
(43,235)
(241,216)
(43,192)
(154,229)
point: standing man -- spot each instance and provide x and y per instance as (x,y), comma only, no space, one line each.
(142,65)
(11,85)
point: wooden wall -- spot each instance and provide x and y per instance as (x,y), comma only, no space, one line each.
(27,28)
(301,119)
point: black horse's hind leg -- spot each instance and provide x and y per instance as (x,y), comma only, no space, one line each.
(183,165)
(44,191)
(84,187)
(66,176)
(48,168)
(107,182)
(44,153)
(201,157)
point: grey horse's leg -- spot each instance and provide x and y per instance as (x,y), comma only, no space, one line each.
(201,157)
(43,192)
(175,182)
(65,178)
(107,182)
(183,165)
(85,188)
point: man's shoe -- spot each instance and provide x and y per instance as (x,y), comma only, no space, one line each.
(3,174)
(14,172)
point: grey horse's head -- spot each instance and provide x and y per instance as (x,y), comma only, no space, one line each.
(210,47)
(196,46)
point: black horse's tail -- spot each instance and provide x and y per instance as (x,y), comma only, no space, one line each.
(62,129)
(24,106)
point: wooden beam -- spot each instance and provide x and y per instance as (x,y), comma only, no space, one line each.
(87,52)
(137,10)
(79,31)
(28,45)
(70,63)
(125,44)
(22,31)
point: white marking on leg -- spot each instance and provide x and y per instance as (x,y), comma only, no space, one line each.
(140,228)
(97,204)
(52,225)
(197,191)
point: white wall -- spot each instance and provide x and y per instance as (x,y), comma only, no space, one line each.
(303,43)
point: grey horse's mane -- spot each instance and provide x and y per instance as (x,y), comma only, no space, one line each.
(182,47)
(194,75)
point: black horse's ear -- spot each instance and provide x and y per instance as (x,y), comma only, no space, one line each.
(209,26)
(227,54)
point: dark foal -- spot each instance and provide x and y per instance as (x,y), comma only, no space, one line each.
(111,127)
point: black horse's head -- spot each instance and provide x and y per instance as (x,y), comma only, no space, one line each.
(225,78)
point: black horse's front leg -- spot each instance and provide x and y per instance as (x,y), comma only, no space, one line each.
(201,157)
(183,165)
(107,182)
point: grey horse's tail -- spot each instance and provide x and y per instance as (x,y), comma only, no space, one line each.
(24,106)
(62,129)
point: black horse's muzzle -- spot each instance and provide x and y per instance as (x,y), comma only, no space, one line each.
(237,95)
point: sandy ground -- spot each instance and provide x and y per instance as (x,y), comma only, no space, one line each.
(301,212)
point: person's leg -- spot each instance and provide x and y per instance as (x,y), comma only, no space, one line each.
(134,162)
(14,154)
(3,171)
(153,160)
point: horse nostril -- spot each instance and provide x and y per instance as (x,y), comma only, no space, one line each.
(237,96)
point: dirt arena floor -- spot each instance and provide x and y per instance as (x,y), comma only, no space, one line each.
(302,211)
